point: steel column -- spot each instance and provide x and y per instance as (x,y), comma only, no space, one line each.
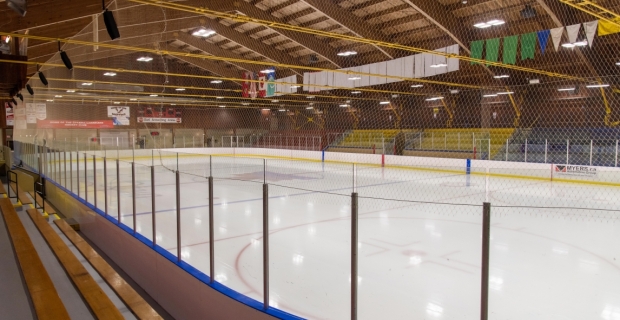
(354,257)
(178,203)
(265,245)
(486,240)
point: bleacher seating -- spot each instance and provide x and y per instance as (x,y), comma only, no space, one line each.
(581,146)
(295,139)
(459,142)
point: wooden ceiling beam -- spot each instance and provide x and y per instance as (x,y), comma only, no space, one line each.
(351,22)
(308,41)
(314,21)
(281,6)
(386,11)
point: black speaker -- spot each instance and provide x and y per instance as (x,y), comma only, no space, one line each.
(66,60)
(19,95)
(29,88)
(110,24)
(43,79)
(14,102)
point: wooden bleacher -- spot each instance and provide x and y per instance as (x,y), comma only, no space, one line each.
(21,195)
(140,308)
(37,198)
(45,298)
(99,303)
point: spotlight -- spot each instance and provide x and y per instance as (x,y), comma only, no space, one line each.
(19,6)
(29,88)
(20,96)
(43,79)
(65,58)
(110,23)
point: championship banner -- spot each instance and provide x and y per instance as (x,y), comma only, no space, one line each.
(158,120)
(570,170)
(253,92)
(271,84)
(75,124)
(159,115)
(262,87)
(31,113)
(245,85)
(119,115)
(10,116)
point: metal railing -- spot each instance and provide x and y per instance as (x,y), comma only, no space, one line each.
(286,142)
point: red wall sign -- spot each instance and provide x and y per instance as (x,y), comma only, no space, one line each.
(75,124)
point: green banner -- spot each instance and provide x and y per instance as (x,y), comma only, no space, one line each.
(476,50)
(492,49)
(528,45)
(510,49)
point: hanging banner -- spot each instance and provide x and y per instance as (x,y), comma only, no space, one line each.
(567,170)
(31,113)
(41,111)
(245,85)
(10,116)
(119,115)
(159,115)
(271,83)
(262,87)
(543,37)
(590,28)
(556,36)
(252,91)
(573,32)
(75,124)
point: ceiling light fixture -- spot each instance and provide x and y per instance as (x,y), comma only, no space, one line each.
(439,65)
(417,85)
(87,83)
(346,53)
(597,86)
(110,74)
(222,106)
(70,91)
(219,97)
(202,32)
(355,78)
(180,89)
(295,87)
(575,44)
(384,102)
(153,95)
(133,99)
(309,97)
(356,92)
(57,96)
(281,110)
(490,23)
(344,105)
(566,89)
(505,92)
(268,71)
(145,59)
(116,102)
(245,104)
(434,98)
(618,63)
(308,108)
(216,81)
(49,100)
(489,95)
(501,76)
(275,101)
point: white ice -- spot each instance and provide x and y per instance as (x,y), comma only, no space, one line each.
(419,253)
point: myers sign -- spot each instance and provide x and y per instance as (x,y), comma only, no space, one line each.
(571,170)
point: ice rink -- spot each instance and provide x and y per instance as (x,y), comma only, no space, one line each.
(554,245)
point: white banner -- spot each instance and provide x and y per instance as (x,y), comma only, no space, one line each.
(31,113)
(119,115)
(571,170)
(158,120)
(41,111)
